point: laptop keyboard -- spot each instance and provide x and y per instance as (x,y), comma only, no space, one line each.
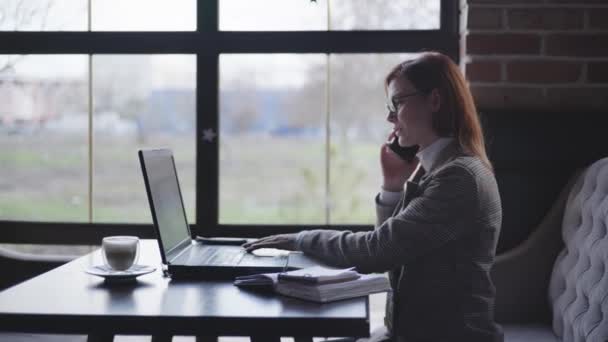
(226,256)
(214,255)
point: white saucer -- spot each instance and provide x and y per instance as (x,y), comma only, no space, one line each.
(111,275)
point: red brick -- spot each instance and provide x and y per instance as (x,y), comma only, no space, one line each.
(597,18)
(502,2)
(484,18)
(504,43)
(545,19)
(543,71)
(579,98)
(597,72)
(483,71)
(577,2)
(507,97)
(584,45)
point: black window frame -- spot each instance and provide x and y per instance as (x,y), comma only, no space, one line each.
(207,43)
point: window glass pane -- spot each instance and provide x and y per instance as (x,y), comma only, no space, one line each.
(272,15)
(272,144)
(143,15)
(43,141)
(384,14)
(141,101)
(43,15)
(358,129)
(307,15)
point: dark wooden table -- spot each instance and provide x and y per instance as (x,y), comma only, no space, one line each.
(68,301)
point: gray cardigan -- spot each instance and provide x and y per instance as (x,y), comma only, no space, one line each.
(438,245)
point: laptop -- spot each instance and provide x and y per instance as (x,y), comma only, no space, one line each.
(185,255)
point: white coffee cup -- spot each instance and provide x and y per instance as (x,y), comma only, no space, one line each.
(120,252)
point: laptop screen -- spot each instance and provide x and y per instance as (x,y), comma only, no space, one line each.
(165,197)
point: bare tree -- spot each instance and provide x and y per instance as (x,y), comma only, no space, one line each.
(18,14)
(408,15)
(241,106)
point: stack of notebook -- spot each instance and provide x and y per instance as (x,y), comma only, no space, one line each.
(318,284)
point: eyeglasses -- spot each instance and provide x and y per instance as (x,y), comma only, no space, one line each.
(393,105)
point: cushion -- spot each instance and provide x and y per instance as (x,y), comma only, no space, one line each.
(528,333)
(578,287)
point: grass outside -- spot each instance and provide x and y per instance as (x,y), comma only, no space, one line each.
(263,180)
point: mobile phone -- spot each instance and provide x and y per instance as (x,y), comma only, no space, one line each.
(406,153)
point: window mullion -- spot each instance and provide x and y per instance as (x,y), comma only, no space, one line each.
(90,137)
(207,16)
(328,197)
(90,120)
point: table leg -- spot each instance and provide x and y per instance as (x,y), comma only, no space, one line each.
(206,338)
(265,338)
(302,339)
(100,338)
(161,338)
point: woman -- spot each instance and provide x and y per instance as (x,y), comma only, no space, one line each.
(438,240)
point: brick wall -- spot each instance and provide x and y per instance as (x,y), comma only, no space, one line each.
(536,54)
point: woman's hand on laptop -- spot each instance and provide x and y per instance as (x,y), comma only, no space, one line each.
(281,241)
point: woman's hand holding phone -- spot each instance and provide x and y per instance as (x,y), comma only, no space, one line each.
(395,169)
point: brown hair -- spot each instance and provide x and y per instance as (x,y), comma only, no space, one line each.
(457,115)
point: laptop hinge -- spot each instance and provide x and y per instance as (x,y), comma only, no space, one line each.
(178,250)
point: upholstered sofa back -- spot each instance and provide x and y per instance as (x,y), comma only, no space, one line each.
(578,289)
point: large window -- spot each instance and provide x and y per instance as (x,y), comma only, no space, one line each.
(274,110)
